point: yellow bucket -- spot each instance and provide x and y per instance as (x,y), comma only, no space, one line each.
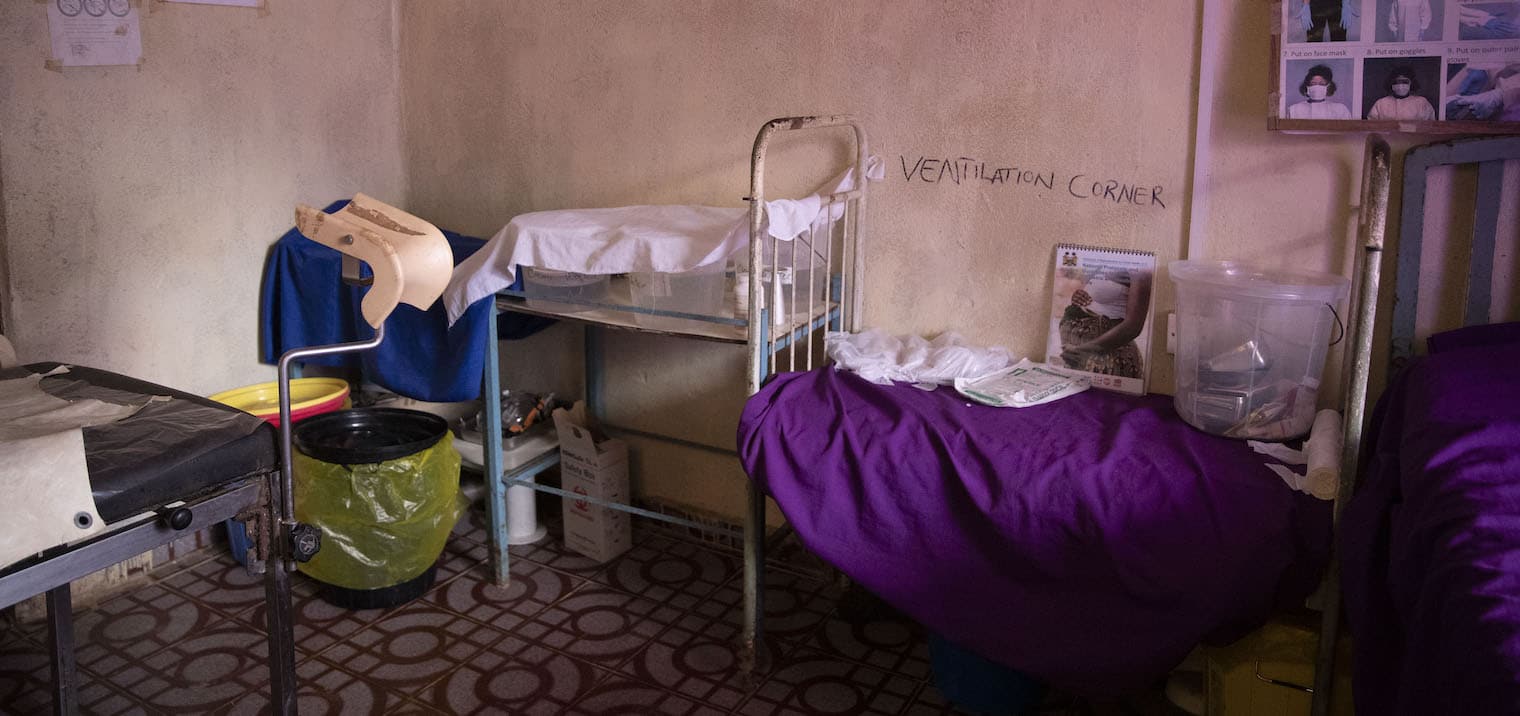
(308,396)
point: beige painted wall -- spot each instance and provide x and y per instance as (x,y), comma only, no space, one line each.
(133,236)
(523,106)
(139,204)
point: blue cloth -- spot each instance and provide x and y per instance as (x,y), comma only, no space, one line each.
(304,302)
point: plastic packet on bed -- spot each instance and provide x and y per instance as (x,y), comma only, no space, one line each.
(1025,384)
(883,358)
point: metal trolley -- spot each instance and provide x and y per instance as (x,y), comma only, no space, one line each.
(775,340)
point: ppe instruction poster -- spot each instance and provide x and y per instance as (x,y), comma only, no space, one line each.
(1400,60)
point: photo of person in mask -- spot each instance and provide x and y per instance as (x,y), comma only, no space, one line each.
(1399,96)
(1317,89)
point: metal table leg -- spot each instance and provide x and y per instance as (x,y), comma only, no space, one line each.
(279,621)
(61,634)
(596,375)
(491,455)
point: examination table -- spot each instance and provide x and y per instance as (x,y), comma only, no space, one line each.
(178,464)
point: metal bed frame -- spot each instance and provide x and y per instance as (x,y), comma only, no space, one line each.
(1489,154)
(770,340)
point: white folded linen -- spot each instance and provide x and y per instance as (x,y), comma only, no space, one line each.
(665,238)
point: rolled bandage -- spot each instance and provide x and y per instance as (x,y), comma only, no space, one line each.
(1324,452)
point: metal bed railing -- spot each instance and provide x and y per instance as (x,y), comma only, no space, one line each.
(781,318)
(1377,174)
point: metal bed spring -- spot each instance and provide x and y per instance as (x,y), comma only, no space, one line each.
(1489,155)
(780,315)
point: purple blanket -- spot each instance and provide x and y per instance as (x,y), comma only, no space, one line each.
(1431,542)
(1091,542)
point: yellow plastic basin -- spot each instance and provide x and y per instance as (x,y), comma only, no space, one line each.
(308,396)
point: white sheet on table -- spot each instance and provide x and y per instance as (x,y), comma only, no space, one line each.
(43,475)
(668,238)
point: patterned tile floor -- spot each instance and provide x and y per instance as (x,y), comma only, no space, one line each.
(650,632)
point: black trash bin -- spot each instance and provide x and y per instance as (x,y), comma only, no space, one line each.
(383,485)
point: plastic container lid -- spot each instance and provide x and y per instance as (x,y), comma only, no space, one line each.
(1242,279)
(369,435)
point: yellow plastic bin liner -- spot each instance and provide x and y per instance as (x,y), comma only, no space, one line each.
(383,523)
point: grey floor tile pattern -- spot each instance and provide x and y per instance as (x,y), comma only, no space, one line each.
(651,632)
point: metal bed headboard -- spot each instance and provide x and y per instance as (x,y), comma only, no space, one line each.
(774,312)
(1489,154)
(841,229)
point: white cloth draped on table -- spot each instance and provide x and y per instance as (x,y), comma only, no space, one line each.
(667,238)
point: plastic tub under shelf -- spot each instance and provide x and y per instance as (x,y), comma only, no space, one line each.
(547,290)
(699,291)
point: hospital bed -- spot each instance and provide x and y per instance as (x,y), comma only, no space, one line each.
(1430,541)
(1091,542)
(825,228)
(176,466)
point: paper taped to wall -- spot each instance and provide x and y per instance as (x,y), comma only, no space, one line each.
(98,32)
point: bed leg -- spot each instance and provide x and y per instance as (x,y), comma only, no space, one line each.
(278,618)
(1329,630)
(61,634)
(842,581)
(282,657)
(752,653)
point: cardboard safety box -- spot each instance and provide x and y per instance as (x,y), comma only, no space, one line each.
(1265,672)
(596,466)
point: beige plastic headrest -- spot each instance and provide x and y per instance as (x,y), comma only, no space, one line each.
(410,258)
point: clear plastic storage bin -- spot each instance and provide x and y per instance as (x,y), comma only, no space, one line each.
(1251,345)
(699,291)
(546,289)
